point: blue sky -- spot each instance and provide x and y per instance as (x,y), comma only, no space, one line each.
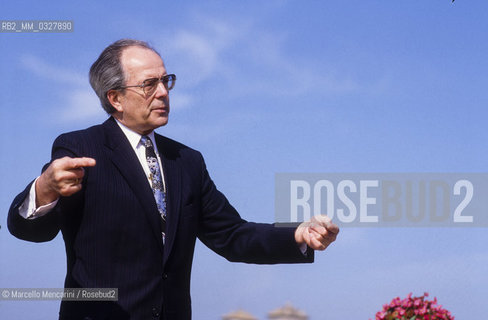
(266,87)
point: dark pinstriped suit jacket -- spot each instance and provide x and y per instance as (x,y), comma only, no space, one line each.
(112,234)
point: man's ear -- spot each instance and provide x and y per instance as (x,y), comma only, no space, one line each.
(113,97)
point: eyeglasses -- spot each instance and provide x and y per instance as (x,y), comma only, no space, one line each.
(149,86)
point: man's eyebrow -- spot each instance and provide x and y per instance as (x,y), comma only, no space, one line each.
(156,77)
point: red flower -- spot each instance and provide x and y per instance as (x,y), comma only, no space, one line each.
(413,308)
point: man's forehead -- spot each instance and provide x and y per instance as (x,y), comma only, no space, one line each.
(141,62)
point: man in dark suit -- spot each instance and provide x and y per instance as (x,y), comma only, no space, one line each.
(131,203)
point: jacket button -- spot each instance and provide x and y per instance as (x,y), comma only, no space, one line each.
(155,312)
(165,276)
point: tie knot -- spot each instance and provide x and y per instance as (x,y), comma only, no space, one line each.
(146,141)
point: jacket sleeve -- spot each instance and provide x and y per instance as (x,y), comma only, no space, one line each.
(44,228)
(225,232)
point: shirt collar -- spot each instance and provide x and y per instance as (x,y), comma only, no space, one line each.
(135,138)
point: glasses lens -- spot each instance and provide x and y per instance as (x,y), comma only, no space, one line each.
(169,81)
(150,85)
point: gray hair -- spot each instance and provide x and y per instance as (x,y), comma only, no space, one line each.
(107,73)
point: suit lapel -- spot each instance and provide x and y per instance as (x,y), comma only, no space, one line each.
(172,177)
(124,158)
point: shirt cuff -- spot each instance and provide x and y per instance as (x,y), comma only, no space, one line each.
(28,210)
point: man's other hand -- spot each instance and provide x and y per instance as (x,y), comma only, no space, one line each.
(318,233)
(63,177)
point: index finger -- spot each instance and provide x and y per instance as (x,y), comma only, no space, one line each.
(75,163)
(327,223)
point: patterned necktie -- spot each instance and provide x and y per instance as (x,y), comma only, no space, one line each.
(156,180)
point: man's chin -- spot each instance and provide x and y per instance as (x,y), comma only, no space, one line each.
(161,121)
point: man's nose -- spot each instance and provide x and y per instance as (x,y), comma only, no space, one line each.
(161,90)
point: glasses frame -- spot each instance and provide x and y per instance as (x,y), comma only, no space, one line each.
(166,78)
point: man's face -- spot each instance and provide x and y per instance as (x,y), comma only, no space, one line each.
(139,111)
